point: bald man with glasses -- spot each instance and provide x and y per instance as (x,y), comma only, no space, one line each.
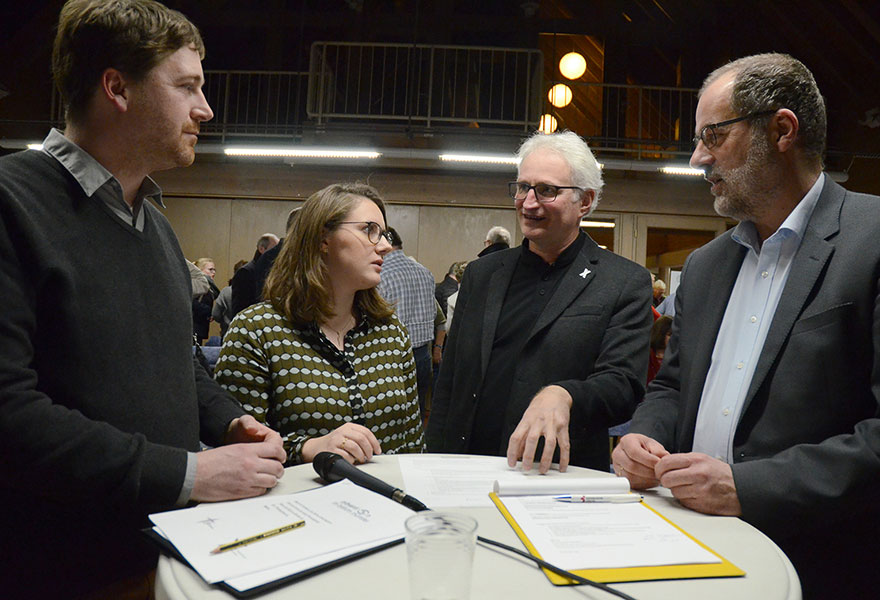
(549,344)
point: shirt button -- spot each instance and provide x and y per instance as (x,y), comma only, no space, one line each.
(541,292)
(739,365)
(753,318)
(725,412)
(765,274)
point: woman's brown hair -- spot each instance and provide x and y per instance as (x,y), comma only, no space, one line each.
(298,286)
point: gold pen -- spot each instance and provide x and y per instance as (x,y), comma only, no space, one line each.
(256,538)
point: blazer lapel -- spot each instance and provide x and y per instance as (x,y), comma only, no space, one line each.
(579,275)
(498,284)
(725,262)
(807,265)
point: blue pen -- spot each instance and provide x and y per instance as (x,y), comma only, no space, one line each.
(606,498)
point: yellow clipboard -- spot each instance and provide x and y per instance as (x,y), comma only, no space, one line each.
(624,574)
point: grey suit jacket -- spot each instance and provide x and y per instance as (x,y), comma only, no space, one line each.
(807,446)
(591,339)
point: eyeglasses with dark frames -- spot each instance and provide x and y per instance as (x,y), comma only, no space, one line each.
(544,192)
(373,230)
(708,134)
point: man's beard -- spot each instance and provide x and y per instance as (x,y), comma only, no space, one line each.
(747,186)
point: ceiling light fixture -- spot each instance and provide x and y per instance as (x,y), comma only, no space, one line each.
(480,158)
(673,170)
(599,224)
(572,65)
(559,95)
(35,146)
(300,152)
(548,124)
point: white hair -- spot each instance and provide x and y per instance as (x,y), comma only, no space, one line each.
(498,234)
(585,171)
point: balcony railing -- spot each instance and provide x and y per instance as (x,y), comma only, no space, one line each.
(256,103)
(428,85)
(391,88)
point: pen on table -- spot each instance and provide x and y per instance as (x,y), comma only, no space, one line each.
(603,498)
(256,538)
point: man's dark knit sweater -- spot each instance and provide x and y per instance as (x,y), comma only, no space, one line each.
(99,396)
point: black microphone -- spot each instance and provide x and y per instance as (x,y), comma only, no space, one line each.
(332,467)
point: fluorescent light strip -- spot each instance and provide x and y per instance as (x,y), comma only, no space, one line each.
(480,158)
(300,152)
(671,170)
(607,224)
(35,146)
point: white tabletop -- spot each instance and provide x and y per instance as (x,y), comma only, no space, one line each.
(497,574)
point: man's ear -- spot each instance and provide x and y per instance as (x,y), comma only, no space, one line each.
(587,200)
(783,129)
(115,89)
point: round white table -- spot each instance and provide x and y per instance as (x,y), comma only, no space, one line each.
(498,574)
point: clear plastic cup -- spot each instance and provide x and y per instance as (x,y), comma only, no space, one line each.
(440,550)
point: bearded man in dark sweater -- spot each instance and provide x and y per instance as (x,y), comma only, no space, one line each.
(101,404)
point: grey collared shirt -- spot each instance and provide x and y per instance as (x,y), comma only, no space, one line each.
(98,182)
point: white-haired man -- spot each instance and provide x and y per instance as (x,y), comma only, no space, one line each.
(497,238)
(549,344)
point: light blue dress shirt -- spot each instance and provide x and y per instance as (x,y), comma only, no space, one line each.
(746,321)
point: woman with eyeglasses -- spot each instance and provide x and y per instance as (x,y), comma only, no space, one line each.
(325,361)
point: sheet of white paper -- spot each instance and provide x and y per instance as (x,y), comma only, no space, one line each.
(459,481)
(602,536)
(338,517)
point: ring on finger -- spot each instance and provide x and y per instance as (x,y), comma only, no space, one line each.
(342,446)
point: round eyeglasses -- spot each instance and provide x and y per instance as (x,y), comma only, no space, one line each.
(544,192)
(371,229)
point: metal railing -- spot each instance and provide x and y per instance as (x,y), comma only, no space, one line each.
(256,103)
(388,87)
(639,121)
(425,84)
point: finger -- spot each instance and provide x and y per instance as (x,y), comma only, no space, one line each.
(547,454)
(374,444)
(367,443)
(626,465)
(564,449)
(273,449)
(685,492)
(639,450)
(672,462)
(514,448)
(348,456)
(529,449)
(265,481)
(357,449)
(655,448)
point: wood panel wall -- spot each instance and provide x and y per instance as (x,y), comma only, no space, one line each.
(220,207)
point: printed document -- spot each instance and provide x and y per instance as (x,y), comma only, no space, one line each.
(602,535)
(460,481)
(341,519)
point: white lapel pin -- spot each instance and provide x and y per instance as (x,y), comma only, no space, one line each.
(585,273)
